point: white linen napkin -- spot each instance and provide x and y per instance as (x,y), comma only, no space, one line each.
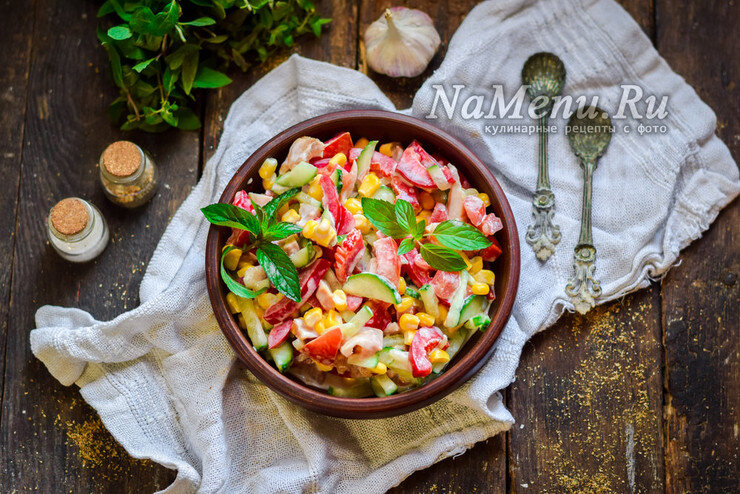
(165,381)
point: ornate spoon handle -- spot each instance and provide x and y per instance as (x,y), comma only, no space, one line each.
(543,236)
(583,288)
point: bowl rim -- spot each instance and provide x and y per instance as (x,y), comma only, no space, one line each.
(372,407)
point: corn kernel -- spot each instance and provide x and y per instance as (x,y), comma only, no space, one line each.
(361,143)
(362,223)
(323,367)
(320,327)
(476,264)
(338,159)
(465,258)
(313,316)
(402,286)
(480,289)
(408,322)
(265,300)
(268,168)
(485,276)
(406,304)
(381,368)
(439,356)
(340,299)
(291,216)
(231,260)
(408,337)
(387,148)
(425,320)
(314,190)
(369,185)
(484,197)
(324,227)
(267,183)
(442,314)
(332,318)
(310,228)
(426,200)
(354,205)
(424,215)
(233,303)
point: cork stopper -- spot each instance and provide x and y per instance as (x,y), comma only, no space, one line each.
(69,216)
(122,158)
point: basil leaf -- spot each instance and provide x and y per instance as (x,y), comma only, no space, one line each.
(280,270)
(442,258)
(407,245)
(230,215)
(405,215)
(460,236)
(234,286)
(280,230)
(382,215)
(272,207)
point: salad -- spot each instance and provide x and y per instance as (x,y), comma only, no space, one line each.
(359,271)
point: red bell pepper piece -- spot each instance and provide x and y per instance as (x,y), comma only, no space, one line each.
(413,166)
(242,200)
(406,192)
(417,273)
(346,221)
(340,143)
(324,348)
(279,333)
(491,252)
(379,163)
(424,341)
(347,254)
(330,198)
(309,280)
(388,262)
(353,302)
(320,162)
(381,315)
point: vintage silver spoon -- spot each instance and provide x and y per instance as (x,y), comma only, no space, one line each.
(589,132)
(544,73)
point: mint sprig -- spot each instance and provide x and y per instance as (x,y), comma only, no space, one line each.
(234,286)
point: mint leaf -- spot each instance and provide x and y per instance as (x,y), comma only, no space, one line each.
(272,207)
(280,230)
(232,216)
(407,245)
(280,270)
(234,286)
(405,215)
(262,217)
(419,229)
(210,78)
(460,236)
(442,258)
(120,33)
(382,215)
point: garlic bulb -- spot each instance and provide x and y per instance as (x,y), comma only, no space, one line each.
(401,43)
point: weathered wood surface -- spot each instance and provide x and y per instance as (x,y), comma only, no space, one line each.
(639,396)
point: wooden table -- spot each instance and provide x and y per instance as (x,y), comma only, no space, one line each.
(641,395)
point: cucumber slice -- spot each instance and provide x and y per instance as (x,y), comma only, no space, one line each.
(456,301)
(383,385)
(478,322)
(361,390)
(472,306)
(306,199)
(363,160)
(456,341)
(368,363)
(303,257)
(393,340)
(385,193)
(298,176)
(397,360)
(351,327)
(254,328)
(412,292)
(282,355)
(336,177)
(431,304)
(438,177)
(372,286)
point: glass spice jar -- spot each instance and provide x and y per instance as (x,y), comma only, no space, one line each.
(128,174)
(77,230)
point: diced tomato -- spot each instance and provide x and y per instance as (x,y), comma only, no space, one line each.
(346,222)
(382,165)
(424,341)
(418,275)
(388,262)
(475,209)
(242,200)
(354,153)
(406,192)
(448,175)
(413,166)
(238,237)
(279,333)
(439,214)
(422,264)
(491,252)
(340,143)
(445,283)
(320,162)
(381,315)
(309,281)
(347,254)
(490,224)
(354,302)
(324,348)
(330,198)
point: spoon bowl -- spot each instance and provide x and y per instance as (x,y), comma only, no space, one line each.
(544,73)
(589,133)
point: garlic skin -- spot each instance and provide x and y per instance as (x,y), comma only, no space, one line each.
(401,43)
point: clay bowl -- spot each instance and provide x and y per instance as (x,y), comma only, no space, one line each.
(383,126)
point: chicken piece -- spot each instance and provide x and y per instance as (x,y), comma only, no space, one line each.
(302,149)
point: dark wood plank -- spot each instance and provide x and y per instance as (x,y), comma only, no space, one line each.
(701,297)
(49,437)
(17,27)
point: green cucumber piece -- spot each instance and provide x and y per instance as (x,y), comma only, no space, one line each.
(431,304)
(303,257)
(282,355)
(385,193)
(412,292)
(456,301)
(438,177)
(456,341)
(336,177)
(473,305)
(478,322)
(392,340)
(364,159)
(306,199)
(372,286)
(383,385)
(351,327)
(299,176)
(360,390)
(397,360)
(368,363)
(256,333)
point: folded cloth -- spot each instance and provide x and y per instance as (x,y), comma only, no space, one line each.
(165,381)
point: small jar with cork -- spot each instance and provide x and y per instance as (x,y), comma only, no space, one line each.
(77,230)
(128,174)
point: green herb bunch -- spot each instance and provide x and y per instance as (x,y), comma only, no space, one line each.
(162,50)
(399,221)
(264,229)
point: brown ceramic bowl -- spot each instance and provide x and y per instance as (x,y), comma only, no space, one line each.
(383,126)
